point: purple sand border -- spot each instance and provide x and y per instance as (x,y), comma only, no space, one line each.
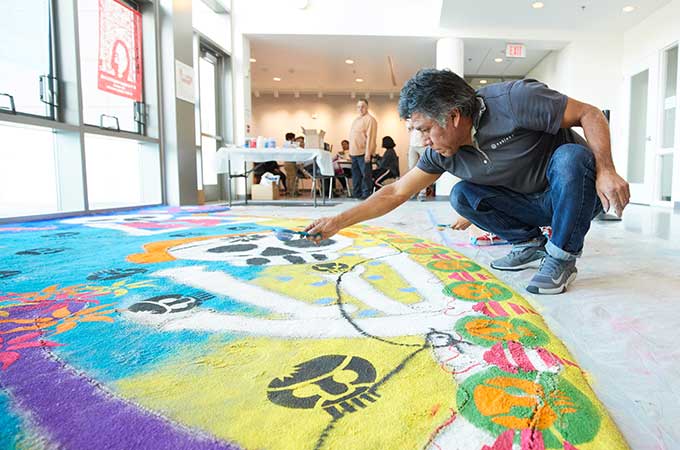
(77,413)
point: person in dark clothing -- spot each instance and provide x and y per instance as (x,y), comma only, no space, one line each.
(271,167)
(388,166)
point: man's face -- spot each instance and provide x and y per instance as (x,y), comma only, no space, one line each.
(444,140)
(345,145)
(362,107)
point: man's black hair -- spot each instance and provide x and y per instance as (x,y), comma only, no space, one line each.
(434,93)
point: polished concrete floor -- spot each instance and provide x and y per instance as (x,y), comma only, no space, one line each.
(620,318)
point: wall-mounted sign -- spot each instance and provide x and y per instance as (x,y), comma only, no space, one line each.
(515,51)
(184,82)
(120,50)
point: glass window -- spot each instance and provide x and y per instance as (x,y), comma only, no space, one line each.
(110,63)
(121,172)
(209,159)
(669,97)
(28,179)
(666,184)
(637,133)
(25,55)
(208,94)
(208,111)
(199,170)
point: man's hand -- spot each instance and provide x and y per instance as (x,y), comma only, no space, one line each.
(461,224)
(378,204)
(367,159)
(613,191)
(322,228)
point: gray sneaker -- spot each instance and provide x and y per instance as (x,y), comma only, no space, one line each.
(522,256)
(553,276)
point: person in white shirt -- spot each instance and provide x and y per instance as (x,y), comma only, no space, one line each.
(416,147)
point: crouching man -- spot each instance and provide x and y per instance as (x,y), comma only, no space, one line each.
(521,166)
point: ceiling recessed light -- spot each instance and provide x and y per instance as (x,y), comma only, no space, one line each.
(537,5)
(482,81)
(628,9)
(498,60)
(276,79)
(359,80)
(349,61)
(253,60)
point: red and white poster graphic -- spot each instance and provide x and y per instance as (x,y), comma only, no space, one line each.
(120,50)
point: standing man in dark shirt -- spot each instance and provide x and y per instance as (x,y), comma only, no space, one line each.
(522,168)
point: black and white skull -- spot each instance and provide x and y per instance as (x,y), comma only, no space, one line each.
(337,383)
(169,304)
(261,249)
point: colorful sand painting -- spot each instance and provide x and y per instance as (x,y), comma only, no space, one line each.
(196,328)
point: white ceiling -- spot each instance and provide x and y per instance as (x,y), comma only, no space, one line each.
(480,55)
(314,63)
(317,63)
(572,15)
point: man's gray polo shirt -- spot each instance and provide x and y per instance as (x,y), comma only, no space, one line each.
(516,136)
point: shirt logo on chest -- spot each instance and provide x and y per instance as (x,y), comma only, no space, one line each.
(495,145)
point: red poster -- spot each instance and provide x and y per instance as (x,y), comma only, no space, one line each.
(120,50)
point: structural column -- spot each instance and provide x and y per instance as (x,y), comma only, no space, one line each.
(450,55)
(179,125)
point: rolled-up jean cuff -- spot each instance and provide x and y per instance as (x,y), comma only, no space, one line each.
(558,253)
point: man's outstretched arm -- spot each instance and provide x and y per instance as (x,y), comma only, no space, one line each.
(611,188)
(378,204)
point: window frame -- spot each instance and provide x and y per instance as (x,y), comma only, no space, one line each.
(52,109)
(67,121)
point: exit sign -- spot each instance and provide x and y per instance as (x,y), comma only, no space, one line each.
(515,51)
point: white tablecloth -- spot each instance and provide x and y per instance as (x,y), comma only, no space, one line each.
(238,155)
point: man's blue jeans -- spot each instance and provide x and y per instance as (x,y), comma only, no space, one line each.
(362,177)
(568,204)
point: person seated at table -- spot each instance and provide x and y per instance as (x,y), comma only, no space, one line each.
(388,164)
(343,153)
(289,166)
(271,167)
(305,170)
(341,173)
(289,140)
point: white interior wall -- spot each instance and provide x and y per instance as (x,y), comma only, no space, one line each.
(273,117)
(645,42)
(597,71)
(659,30)
(591,71)
(216,27)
